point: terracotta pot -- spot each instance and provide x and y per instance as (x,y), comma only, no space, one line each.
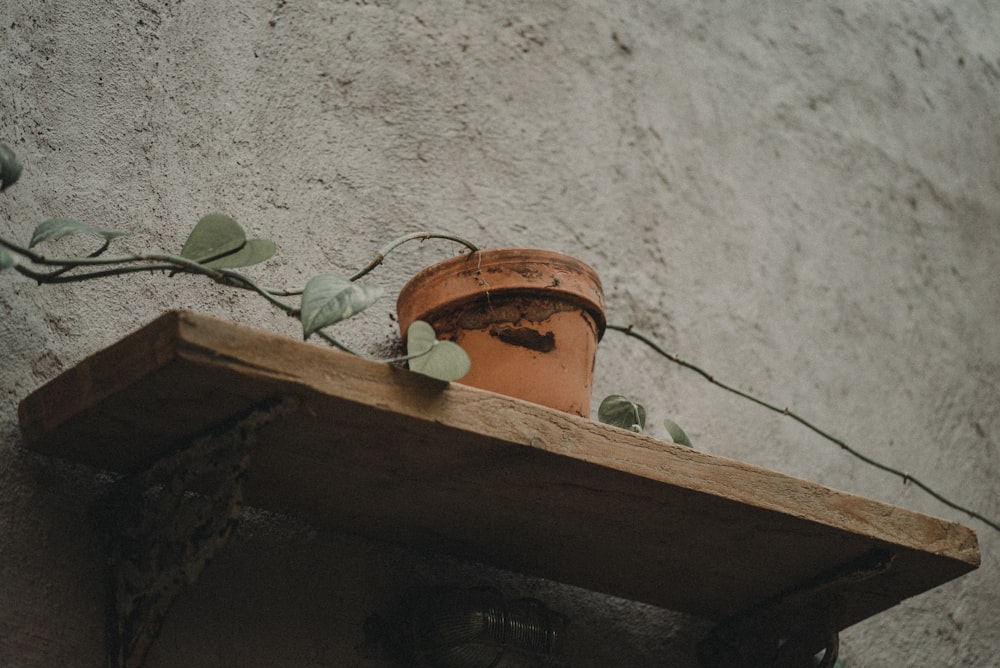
(529,319)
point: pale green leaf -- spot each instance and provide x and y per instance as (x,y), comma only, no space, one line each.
(10,168)
(444,360)
(254,251)
(7,259)
(329,299)
(620,411)
(677,434)
(56,228)
(838,663)
(213,237)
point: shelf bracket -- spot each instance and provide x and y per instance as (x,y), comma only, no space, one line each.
(797,629)
(166,521)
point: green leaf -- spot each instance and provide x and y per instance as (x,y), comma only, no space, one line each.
(329,299)
(213,237)
(254,251)
(676,433)
(56,228)
(10,168)
(7,259)
(838,663)
(620,411)
(444,360)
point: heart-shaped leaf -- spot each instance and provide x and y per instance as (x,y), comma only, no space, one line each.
(55,228)
(329,299)
(620,411)
(10,168)
(818,659)
(444,360)
(213,237)
(7,259)
(254,251)
(676,433)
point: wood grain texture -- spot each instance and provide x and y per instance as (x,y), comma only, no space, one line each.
(379,451)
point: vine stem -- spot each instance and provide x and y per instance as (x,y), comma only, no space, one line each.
(151,262)
(142,262)
(164,261)
(415,236)
(628,330)
(385,360)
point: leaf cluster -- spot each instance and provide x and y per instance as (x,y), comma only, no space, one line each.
(620,411)
(215,248)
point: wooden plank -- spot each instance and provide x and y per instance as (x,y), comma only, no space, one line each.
(383,452)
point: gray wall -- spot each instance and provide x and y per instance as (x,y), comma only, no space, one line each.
(803,198)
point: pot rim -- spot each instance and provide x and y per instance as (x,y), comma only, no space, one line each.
(501,271)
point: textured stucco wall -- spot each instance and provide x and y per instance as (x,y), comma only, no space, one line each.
(803,198)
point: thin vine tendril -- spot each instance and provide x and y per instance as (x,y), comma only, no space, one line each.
(628,330)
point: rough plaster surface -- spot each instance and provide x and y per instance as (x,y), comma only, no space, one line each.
(802,197)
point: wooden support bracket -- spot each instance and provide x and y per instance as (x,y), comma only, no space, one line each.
(794,628)
(165,522)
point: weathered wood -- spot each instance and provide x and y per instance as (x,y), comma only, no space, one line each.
(383,452)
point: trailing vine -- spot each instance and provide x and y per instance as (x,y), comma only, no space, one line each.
(214,249)
(907,478)
(217,245)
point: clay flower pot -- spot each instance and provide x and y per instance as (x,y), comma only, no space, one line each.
(529,319)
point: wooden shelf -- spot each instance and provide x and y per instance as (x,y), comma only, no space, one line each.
(379,451)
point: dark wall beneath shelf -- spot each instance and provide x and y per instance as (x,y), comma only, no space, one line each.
(286,593)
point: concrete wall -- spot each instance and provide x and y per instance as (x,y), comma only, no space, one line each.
(803,198)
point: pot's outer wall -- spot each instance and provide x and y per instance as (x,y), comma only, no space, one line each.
(529,319)
(803,198)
